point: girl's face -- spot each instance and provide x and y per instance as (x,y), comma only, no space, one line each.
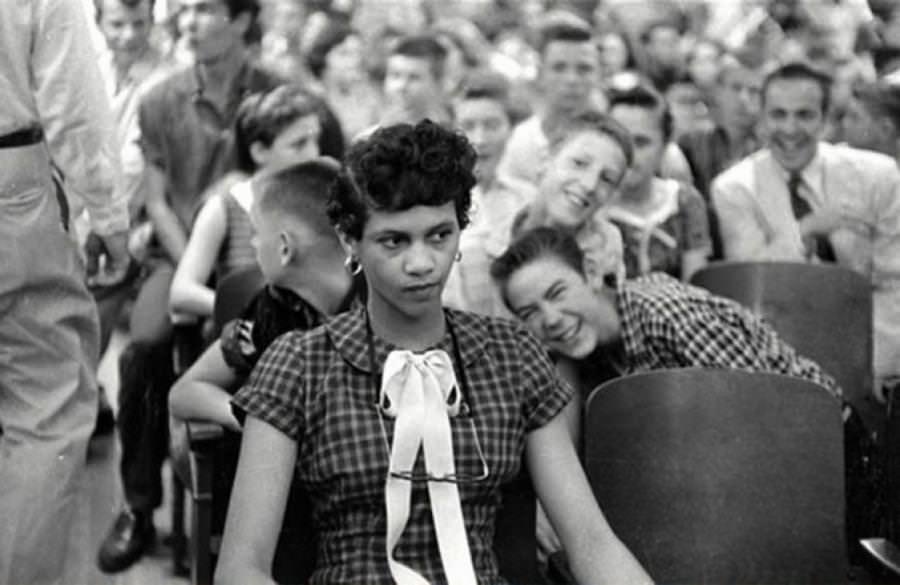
(298,142)
(407,256)
(561,308)
(579,178)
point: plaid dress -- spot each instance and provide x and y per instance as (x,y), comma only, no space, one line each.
(320,389)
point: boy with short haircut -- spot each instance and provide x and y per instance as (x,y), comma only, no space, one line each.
(569,65)
(484,112)
(302,263)
(663,222)
(413,81)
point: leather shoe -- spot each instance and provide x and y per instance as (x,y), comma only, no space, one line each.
(130,537)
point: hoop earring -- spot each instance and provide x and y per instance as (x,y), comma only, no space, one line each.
(352,265)
(458,256)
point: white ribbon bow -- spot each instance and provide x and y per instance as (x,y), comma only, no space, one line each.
(420,392)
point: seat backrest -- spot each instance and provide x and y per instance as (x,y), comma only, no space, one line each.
(823,310)
(233,292)
(721,476)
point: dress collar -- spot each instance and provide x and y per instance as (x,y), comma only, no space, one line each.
(347,332)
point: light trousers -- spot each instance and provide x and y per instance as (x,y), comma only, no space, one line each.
(48,356)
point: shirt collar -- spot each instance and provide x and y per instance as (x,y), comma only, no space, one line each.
(812,173)
(347,332)
(248,81)
(288,298)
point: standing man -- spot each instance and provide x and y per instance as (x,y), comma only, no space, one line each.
(187,144)
(805,200)
(55,114)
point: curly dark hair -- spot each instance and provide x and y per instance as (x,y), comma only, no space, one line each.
(399,167)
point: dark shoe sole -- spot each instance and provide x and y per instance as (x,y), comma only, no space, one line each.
(116,563)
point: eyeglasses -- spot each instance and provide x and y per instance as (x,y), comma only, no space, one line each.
(458,478)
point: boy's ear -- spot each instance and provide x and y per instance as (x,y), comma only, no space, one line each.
(258,152)
(286,247)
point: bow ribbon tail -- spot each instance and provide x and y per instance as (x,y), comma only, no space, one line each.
(446,508)
(400,389)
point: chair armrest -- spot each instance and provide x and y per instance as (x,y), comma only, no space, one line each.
(203,434)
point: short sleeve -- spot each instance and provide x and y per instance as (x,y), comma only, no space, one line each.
(275,389)
(152,125)
(545,393)
(694,220)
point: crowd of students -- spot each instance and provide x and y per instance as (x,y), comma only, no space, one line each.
(466,213)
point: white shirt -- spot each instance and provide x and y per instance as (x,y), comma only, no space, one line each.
(49,77)
(756,221)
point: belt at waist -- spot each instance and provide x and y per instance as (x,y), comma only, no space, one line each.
(20,138)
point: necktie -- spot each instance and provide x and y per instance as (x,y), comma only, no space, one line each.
(801,208)
(421,393)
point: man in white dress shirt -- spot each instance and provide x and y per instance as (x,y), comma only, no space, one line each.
(802,199)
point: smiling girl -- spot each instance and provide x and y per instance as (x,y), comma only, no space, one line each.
(351,404)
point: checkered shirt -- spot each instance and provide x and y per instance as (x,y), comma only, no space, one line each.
(668,324)
(318,388)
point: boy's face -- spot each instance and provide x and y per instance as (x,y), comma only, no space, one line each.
(410,85)
(580,177)
(126,29)
(568,74)
(664,46)
(208,30)
(738,97)
(560,307)
(645,127)
(486,125)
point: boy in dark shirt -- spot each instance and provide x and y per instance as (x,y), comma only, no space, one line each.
(302,263)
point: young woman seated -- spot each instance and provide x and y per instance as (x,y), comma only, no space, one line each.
(403,419)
